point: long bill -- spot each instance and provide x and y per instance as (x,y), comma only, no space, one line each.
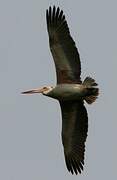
(32,91)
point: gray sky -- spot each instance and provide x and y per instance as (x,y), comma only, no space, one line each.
(30,126)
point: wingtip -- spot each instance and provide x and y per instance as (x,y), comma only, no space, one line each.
(54,9)
(73,165)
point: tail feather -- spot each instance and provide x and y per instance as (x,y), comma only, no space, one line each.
(92,92)
(89,82)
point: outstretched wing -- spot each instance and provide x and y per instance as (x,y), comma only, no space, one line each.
(62,46)
(74,133)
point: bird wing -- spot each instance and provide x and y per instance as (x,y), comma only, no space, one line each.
(62,46)
(74,134)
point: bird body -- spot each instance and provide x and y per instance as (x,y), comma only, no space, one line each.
(70,91)
(66,92)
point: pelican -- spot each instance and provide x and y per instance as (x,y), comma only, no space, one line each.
(70,91)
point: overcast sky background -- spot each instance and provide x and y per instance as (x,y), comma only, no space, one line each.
(30,126)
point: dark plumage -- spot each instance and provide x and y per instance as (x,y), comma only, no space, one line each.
(62,46)
(68,68)
(74,133)
(69,91)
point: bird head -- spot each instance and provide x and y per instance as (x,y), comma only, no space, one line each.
(44,90)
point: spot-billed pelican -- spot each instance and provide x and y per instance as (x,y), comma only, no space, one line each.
(70,91)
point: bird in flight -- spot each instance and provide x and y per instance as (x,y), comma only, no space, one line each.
(70,91)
